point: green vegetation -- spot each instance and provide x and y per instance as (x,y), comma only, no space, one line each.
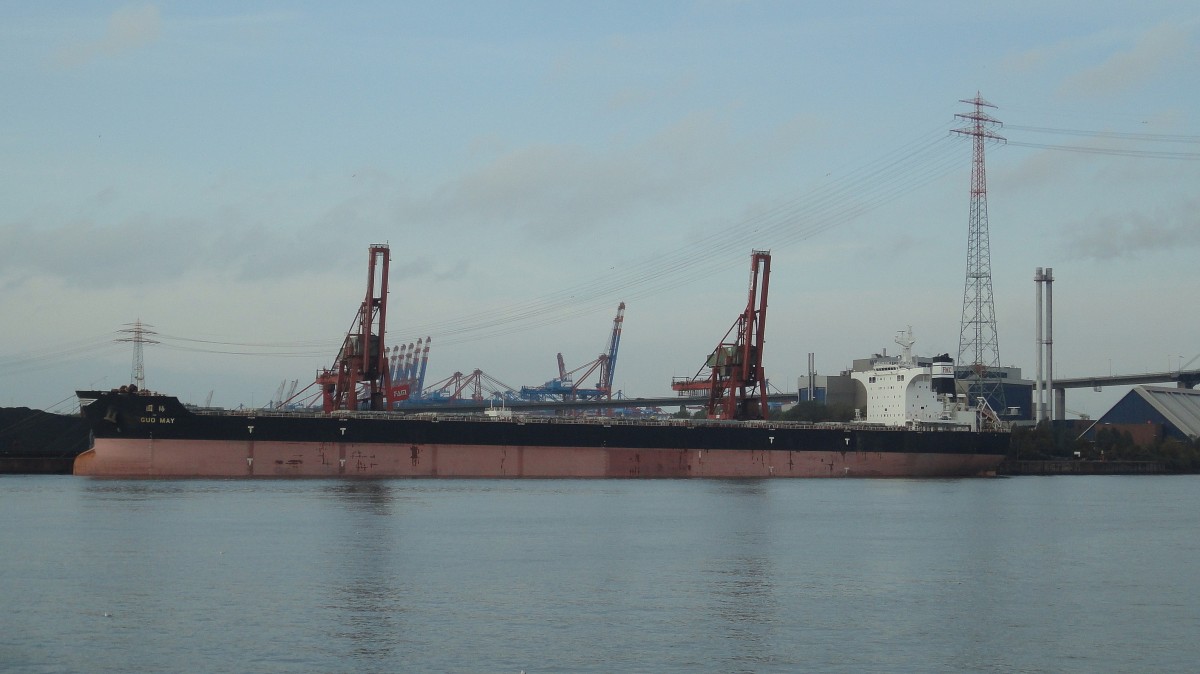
(1048,442)
(1040,443)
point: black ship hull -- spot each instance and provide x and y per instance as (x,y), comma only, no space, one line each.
(151,435)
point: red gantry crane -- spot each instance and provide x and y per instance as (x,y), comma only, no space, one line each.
(736,385)
(359,379)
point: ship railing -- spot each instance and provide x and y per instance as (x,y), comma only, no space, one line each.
(515,418)
(583,421)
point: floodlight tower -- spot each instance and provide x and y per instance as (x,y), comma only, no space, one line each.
(978,344)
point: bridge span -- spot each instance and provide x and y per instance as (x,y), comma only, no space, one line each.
(1182,379)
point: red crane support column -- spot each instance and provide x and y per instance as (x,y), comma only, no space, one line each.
(362,361)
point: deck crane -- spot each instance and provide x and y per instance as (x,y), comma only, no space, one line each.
(736,385)
(359,377)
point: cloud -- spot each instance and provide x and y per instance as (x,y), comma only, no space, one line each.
(1127,235)
(87,255)
(1153,53)
(1043,56)
(504,204)
(142,248)
(129,28)
(646,96)
(558,192)
(1117,60)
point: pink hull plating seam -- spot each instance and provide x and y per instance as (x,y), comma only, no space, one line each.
(212,458)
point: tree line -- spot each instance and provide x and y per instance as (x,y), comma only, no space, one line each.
(1048,441)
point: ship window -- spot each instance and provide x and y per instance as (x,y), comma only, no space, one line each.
(872,381)
(900,377)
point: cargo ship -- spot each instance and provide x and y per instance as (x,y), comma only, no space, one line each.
(140,434)
(361,430)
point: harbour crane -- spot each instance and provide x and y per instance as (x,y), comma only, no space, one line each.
(359,376)
(614,341)
(569,384)
(736,386)
(407,366)
(470,387)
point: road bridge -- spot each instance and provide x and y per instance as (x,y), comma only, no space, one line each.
(1182,379)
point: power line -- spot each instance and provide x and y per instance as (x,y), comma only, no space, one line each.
(835,201)
(263,354)
(1111,151)
(280,345)
(828,205)
(1117,135)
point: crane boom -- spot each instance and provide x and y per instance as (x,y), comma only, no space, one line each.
(610,366)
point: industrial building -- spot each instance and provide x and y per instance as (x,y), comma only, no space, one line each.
(1151,413)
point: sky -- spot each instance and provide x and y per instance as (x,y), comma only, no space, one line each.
(219,171)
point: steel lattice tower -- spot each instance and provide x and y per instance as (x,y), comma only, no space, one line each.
(977,341)
(139,333)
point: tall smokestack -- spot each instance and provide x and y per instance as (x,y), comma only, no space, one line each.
(1055,411)
(812,375)
(1038,400)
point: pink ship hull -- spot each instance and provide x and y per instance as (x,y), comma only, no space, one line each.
(216,458)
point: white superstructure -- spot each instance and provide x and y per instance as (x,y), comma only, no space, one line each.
(901,392)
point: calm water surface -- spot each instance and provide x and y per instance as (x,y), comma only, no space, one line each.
(1066,574)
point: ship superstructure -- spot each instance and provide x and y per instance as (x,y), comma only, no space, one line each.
(900,392)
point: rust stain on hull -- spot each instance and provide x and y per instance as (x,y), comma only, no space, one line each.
(266,459)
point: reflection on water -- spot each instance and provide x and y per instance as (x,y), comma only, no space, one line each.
(599,576)
(368,496)
(366,594)
(140,490)
(740,577)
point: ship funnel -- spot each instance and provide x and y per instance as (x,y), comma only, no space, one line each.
(943,375)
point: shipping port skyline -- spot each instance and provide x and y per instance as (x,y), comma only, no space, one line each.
(193,169)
